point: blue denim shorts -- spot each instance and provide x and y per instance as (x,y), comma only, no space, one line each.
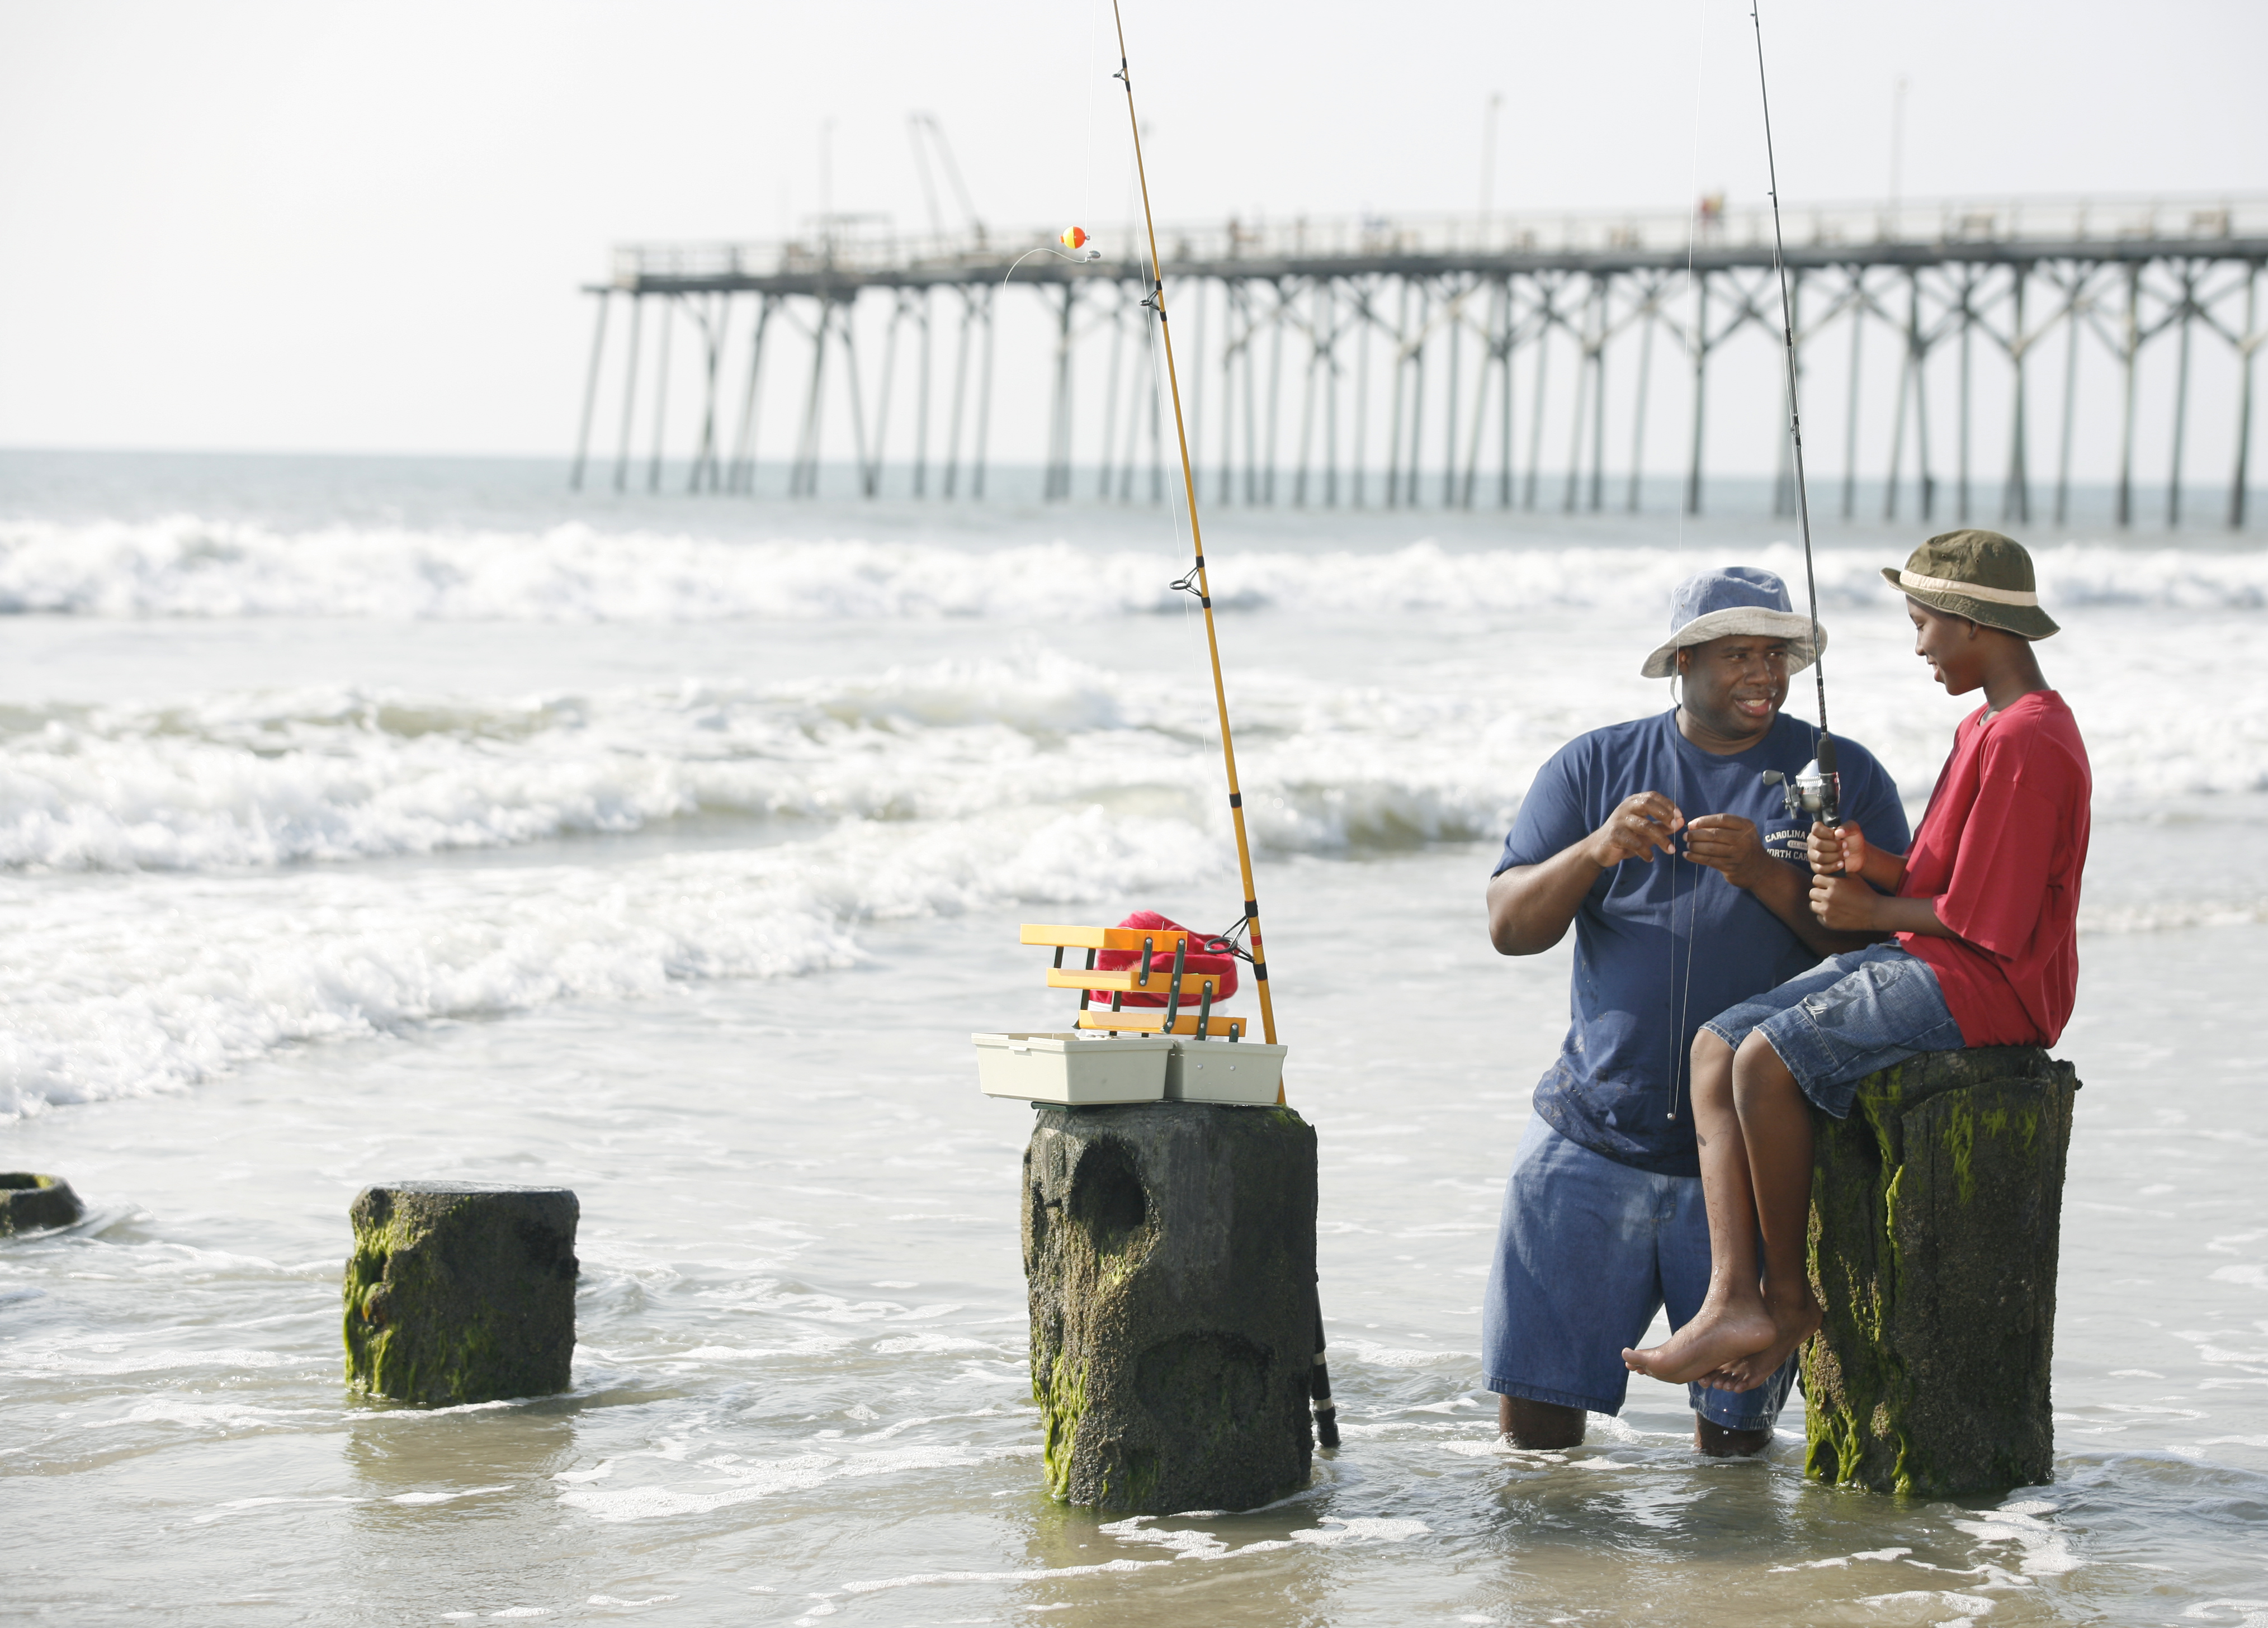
(1846,1018)
(1587,1251)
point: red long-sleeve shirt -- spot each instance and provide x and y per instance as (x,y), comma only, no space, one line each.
(1999,853)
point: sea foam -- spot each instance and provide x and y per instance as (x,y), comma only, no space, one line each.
(186,565)
(123,986)
(254,780)
(237,781)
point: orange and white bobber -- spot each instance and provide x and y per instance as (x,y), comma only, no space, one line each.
(1073,237)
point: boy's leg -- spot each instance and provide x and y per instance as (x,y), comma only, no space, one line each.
(1734,1320)
(1776,1123)
(1851,1015)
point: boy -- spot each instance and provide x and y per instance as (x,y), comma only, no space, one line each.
(1985,909)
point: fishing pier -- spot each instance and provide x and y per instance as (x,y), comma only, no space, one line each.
(1952,353)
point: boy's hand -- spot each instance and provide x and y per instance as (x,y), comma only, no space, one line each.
(1638,826)
(1837,850)
(1730,845)
(1843,904)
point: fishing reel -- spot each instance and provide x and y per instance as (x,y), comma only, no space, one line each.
(1809,790)
(1816,789)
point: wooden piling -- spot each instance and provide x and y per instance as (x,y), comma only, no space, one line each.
(31,1203)
(1169,1252)
(460,1292)
(1936,1207)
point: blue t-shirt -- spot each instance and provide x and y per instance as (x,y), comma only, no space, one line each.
(1645,984)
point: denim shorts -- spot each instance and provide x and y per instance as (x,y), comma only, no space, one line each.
(1587,1251)
(1846,1018)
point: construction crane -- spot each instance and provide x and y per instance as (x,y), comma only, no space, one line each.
(924,130)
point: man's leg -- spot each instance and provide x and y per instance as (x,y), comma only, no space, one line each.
(1539,1427)
(1572,1278)
(1719,1442)
(1733,1321)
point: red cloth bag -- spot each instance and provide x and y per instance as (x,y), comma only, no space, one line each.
(1221,969)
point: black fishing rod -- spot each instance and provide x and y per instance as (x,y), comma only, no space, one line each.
(1818,789)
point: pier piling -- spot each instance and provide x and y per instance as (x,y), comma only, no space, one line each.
(460,1292)
(1169,1253)
(1935,1219)
(31,1203)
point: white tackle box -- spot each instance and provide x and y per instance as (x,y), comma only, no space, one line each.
(1248,1072)
(1076,1069)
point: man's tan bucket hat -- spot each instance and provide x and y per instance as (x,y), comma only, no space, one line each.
(1977,574)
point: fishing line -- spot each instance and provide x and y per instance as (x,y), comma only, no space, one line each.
(1319,1389)
(1094,113)
(1818,791)
(1157,302)
(1228,941)
(1077,260)
(1186,583)
(1795,417)
(1680,1054)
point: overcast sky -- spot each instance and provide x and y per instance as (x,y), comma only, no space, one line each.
(356,227)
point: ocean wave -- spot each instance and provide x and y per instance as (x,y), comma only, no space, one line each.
(242,781)
(123,986)
(126,981)
(237,781)
(2172,915)
(188,566)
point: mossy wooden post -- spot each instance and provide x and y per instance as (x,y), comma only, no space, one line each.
(1169,1250)
(1935,1211)
(29,1202)
(461,1292)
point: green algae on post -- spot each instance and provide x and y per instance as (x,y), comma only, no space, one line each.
(1936,1210)
(460,1292)
(1169,1254)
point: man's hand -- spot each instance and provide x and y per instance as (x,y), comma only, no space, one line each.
(1530,906)
(1730,845)
(1844,903)
(1638,826)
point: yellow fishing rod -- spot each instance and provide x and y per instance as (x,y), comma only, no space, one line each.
(1319,1385)
(1157,303)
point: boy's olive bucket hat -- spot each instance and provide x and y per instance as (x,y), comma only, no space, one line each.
(1977,574)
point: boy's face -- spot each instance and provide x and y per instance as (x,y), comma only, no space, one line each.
(1950,644)
(1736,685)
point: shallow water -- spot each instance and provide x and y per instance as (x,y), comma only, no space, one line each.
(694,913)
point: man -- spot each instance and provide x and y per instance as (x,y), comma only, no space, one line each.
(1986,908)
(1604,1221)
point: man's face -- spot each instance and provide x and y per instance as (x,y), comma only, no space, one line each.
(1948,643)
(1736,685)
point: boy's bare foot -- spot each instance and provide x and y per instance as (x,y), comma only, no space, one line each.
(1718,1336)
(1792,1326)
